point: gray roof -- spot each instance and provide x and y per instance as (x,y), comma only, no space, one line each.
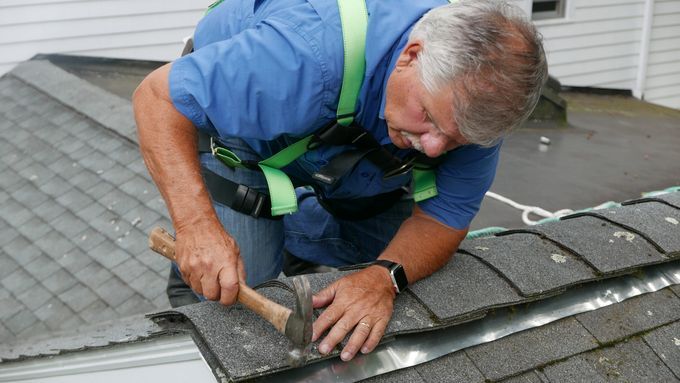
(633,340)
(76,204)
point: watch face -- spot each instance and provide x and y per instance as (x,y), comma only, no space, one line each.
(400,277)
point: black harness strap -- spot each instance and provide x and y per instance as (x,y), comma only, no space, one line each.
(238,197)
(369,148)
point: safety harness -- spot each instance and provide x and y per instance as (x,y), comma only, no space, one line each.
(344,131)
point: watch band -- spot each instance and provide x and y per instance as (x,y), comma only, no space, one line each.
(397,274)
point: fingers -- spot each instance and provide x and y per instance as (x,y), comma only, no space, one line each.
(376,334)
(228,282)
(324,297)
(211,265)
(324,322)
(357,306)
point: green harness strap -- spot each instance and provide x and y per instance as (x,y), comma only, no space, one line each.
(354,21)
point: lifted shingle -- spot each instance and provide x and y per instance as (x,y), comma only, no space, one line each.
(465,285)
(658,222)
(533,265)
(609,248)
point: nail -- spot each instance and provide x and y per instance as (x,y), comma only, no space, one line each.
(345,356)
(364,350)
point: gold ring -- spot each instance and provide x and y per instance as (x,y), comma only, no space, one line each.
(365,324)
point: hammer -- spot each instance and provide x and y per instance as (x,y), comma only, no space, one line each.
(296,326)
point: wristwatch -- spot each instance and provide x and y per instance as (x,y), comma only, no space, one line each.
(396,273)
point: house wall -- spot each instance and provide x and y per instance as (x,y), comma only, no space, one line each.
(662,84)
(147,30)
(599,43)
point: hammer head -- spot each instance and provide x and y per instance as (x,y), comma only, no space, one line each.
(299,324)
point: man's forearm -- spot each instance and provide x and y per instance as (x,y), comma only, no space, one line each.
(168,144)
(423,245)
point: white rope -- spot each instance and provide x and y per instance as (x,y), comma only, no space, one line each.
(526,210)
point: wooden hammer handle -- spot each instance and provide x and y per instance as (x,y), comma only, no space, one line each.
(163,243)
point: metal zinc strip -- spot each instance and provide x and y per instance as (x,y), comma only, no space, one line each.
(410,350)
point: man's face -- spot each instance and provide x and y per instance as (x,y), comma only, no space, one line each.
(416,119)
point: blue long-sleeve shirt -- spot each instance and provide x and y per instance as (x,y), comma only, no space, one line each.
(270,72)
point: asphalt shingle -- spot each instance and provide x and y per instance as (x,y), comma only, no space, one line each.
(399,376)
(465,285)
(93,275)
(452,368)
(629,361)
(632,316)
(665,341)
(29,195)
(55,243)
(109,255)
(59,281)
(18,282)
(606,247)
(50,210)
(34,229)
(149,284)
(114,292)
(75,200)
(74,260)
(657,221)
(529,349)
(78,297)
(130,270)
(55,187)
(69,225)
(98,311)
(7,234)
(42,267)
(35,297)
(574,370)
(9,307)
(15,213)
(672,199)
(533,265)
(119,202)
(54,313)
(88,239)
(136,304)
(21,250)
(7,265)
(20,321)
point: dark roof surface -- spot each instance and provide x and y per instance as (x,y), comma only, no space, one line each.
(75,205)
(508,269)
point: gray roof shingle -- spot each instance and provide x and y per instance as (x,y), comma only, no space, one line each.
(72,202)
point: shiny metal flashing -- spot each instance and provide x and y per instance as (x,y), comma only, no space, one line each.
(413,349)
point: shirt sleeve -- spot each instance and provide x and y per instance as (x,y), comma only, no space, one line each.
(462,180)
(258,84)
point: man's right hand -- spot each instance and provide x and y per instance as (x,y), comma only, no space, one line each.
(210,261)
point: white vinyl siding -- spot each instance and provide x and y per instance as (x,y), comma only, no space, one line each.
(146,30)
(599,44)
(663,70)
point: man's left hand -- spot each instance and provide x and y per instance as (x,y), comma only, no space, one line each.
(361,302)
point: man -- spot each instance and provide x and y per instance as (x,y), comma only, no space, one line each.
(264,75)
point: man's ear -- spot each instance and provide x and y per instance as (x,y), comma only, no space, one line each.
(409,55)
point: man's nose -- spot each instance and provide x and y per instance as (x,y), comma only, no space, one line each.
(434,146)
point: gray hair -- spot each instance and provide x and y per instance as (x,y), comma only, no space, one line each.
(491,57)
